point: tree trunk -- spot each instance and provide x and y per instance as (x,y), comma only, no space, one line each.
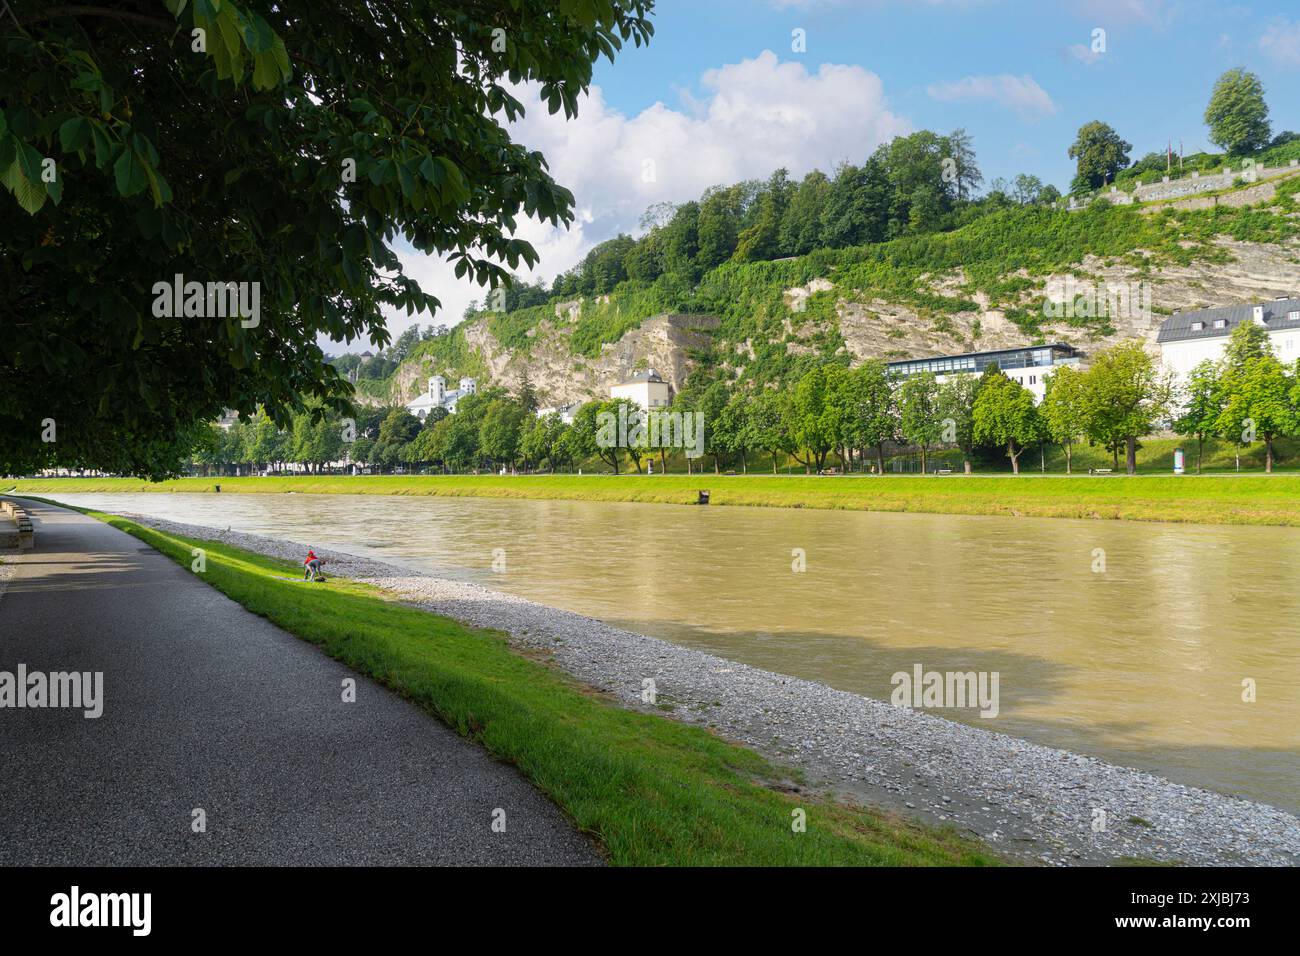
(774,463)
(1131,454)
(880,459)
(966,463)
(923,470)
(1014,456)
(1068,456)
(1200,444)
(1268,454)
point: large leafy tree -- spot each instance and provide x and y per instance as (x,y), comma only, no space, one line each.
(1099,153)
(814,417)
(873,416)
(288,143)
(956,408)
(1064,410)
(1004,414)
(1237,114)
(1258,402)
(918,413)
(1202,404)
(769,423)
(1125,396)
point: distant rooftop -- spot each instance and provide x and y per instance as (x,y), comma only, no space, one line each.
(1214,323)
(649,375)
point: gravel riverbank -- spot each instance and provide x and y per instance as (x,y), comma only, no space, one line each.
(1030,802)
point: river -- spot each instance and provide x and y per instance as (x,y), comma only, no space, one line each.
(1126,641)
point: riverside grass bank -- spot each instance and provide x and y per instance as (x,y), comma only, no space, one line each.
(1209,499)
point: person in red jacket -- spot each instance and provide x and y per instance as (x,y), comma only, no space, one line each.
(311,567)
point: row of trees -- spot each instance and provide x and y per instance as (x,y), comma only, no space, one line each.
(857,415)
(921,183)
(862,412)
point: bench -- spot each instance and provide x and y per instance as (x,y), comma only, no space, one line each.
(22,535)
(1099,471)
(943,471)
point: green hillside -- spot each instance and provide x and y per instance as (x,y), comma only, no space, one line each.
(1002,257)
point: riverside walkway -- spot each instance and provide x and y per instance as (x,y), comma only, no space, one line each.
(213,715)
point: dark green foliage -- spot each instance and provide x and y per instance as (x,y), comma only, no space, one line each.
(292,152)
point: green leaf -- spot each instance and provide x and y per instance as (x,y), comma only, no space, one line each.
(282,59)
(103,145)
(266,72)
(406,181)
(30,162)
(162,193)
(74,134)
(31,196)
(129,172)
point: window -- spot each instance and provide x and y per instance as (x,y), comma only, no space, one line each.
(1293,315)
(1033,380)
(1220,323)
(1197,326)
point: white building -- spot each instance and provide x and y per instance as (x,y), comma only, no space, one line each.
(1188,338)
(437,396)
(646,389)
(566,412)
(1030,366)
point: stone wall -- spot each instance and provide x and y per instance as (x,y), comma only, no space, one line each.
(1179,187)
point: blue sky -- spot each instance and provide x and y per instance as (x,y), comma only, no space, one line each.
(1151,84)
(719,95)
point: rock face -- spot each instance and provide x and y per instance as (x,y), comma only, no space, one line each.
(1256,272)
(873,327)
(558,373)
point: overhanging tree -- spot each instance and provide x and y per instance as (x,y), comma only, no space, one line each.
(288,144)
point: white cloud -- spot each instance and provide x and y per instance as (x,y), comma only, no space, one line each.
(1281,43)
(1018,93)
(749,119)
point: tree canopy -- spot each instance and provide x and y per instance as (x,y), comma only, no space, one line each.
(283,147)
(1237,114)
(1100,153)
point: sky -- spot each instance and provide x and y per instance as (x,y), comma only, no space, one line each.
(733,89)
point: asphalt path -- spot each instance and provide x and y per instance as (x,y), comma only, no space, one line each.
(209,707)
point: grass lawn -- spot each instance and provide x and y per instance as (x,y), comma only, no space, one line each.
(652,791)
(1207,499)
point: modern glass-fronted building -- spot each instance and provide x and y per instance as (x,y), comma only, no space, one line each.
(1029,366)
